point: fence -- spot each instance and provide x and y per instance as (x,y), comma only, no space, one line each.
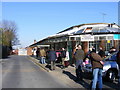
(4,51)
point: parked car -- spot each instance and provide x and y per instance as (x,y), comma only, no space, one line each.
(110,68)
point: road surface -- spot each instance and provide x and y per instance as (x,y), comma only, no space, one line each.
(19,72)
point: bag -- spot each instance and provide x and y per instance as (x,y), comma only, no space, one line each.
(66,63)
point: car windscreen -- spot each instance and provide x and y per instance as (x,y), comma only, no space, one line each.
(111,57)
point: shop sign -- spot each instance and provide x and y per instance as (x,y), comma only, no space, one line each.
(43,46)
(108,41)
(87,38)
(116,36)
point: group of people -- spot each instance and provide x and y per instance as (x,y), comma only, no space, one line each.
(51,57)
(96,60)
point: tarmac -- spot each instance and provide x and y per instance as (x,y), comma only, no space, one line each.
(66,75)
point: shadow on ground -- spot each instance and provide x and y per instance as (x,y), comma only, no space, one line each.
(72,77)
(112,85)
(5,57)
(48,66)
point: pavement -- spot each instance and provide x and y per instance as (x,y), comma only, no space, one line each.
(57,69)
(66,75)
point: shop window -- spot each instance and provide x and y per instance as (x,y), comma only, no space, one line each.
(95,44)
(108,45)
(96,38)
(72,38)
(78,39)
(109,37)
(102,38)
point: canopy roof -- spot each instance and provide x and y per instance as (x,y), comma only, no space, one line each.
(94,28)
(89,28)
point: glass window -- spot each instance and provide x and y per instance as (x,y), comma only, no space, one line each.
(104,30)
(102,38)
(95,29)
(95,44)
(116,30)
(108,45)
(80,31)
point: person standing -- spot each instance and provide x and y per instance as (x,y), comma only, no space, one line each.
(112,50)
(37,52)
(79,56)
(93,48)
(73,56)
(63,56)
(52,57)
(66,62)
(97,66)
(43,55)
(118,62)
(101,52)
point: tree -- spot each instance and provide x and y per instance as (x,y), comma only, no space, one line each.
(8,29)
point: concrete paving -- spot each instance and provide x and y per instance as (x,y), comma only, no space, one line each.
(68,76)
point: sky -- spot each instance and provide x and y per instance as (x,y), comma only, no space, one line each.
(38,20)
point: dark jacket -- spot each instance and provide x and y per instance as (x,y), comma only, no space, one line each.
(95,60)
(101,53)
(79,54)
(63,54)
(118,58)
(52,55)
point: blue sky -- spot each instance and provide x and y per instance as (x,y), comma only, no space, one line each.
(37,20)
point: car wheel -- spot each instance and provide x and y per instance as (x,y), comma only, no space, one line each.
(111,75)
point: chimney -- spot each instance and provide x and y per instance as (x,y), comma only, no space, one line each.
(34,41)
(110,25)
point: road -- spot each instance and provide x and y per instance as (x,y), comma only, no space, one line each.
(19,72)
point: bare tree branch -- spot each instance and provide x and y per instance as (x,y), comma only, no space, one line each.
(9,33)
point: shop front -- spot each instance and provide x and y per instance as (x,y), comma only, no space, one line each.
(95,34)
